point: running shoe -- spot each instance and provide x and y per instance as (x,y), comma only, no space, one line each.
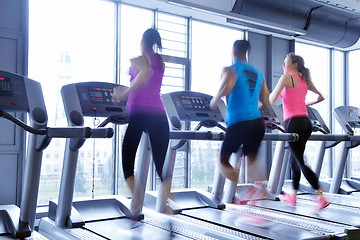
(321,203)
(248,197)
(256,192)
(255,221)
(289,199)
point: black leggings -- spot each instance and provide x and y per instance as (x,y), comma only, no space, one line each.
(157,128)
(302,126)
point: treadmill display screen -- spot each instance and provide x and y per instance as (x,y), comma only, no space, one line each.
(5,87)
(194,103)
(101,95)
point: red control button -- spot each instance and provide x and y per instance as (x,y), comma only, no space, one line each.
(13,102)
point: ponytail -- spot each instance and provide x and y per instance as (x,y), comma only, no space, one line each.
(305,74)
(152,37)
(304,71)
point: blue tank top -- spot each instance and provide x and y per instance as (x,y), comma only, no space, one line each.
(242,102)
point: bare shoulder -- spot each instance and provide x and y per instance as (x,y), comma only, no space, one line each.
(228,71)
(137,59)
(139,62)
(285,77)
(285,80)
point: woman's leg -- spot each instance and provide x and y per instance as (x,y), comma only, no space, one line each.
(301,126)
(129,148)
(158,130)
(295,173)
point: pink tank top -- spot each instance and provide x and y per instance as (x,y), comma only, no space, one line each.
(294,99)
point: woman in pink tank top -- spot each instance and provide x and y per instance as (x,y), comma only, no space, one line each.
(292,89)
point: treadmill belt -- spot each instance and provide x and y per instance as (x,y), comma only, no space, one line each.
(346,200)
(334,213)
(126,229)
(243,222)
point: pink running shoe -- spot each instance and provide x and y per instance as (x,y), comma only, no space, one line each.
(256,192)
(248,197)
(321,203)
(255,221)
(289,199)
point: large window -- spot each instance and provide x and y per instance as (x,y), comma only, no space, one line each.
(210,53)
(338,100)
(354,100)
(173,31)
(72,41)
(317,60)
(133,23)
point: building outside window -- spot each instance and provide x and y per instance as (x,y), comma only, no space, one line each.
(317,60)
(71,43)
(209,54)
(354,100)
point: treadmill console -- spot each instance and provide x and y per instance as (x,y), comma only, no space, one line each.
(191,106)
(93,99)
(348,118)
(13,92)
(317,121)
(271,119)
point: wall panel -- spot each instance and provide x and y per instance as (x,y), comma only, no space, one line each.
(13,55)
(8,181)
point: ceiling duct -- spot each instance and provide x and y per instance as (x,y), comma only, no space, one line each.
(323,23)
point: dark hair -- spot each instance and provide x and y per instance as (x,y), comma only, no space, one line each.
(304,72)
(240,47)
(151,37)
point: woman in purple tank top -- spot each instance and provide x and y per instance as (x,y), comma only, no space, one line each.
(292,88)
(146,111)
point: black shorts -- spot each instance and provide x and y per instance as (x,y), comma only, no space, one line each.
(247,133)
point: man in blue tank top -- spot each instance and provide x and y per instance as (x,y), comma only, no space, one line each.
(243,86)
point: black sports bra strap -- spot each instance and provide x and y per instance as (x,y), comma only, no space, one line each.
(292,81)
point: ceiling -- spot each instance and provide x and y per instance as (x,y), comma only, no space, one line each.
(349,5)
(220,11)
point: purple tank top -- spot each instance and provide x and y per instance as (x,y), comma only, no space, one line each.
(147,99)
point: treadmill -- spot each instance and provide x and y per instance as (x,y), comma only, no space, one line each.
(106,217)
(231,190)
(347,186)
(349,120)
(204,207)
(319,125)
(21,94)
(305,204)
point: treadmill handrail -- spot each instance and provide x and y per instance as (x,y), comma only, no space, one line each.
(51,132)
(68,132)
(21,124)
(329,137)
(202,135)
(196,135)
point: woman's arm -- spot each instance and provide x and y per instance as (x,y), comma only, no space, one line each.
(143,64)
(278,88)
(264,96)
(320,97)
(228,82)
